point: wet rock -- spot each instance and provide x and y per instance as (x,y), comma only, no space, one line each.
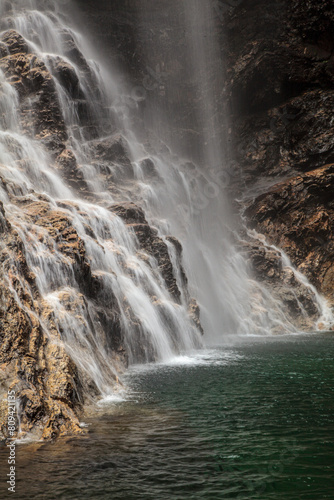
(154,245)
(72,51)
(150,242)
(194,313)
(49,386)
(296,301)
(26,353)
(3,50)
(4,225)
(41,115)
(129,212)
(148,167)
(113,150)
(70,170)
(67,76)
(297,215)
(14,42)
(281,54)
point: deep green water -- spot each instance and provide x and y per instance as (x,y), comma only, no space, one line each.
(254,420)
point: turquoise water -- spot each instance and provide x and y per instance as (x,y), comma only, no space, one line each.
(254,420)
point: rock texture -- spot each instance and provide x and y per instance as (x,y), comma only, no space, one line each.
(298,216)
(38,368)
(280,79)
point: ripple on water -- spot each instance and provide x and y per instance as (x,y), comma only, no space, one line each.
(252,421)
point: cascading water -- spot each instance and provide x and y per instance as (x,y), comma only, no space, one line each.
(189,194)
(71,164)
(153,324)
(187,197)
(325,313)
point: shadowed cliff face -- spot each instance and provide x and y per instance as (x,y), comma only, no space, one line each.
(280,85)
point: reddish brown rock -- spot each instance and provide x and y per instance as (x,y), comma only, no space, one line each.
(298,216)
(14,42)
(42,382)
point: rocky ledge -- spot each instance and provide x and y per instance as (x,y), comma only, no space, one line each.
(36,366)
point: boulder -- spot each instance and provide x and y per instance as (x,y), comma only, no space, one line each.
(67,76)
(14,42)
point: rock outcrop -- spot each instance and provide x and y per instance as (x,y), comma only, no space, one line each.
(36,366)
(298,216)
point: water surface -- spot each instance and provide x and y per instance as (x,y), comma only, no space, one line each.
(253,420)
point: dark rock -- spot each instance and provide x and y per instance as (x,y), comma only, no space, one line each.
(113,149)
(3,50)
(129,212)
(67,76)
(31,78)
(280,85)
(298,216)
(297,302)
(148,167)
(4,225)
(70,170)
(150,242)
(72,51)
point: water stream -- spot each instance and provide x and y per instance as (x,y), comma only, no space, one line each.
(111,247)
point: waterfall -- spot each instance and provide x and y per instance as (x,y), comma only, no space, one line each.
(75,231)
(98,209)
(188,197)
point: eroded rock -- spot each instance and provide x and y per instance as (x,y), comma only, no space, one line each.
(298,216)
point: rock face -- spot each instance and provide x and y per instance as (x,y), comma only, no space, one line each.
(278,92)
(30,77)
(44,377)
(281,69)
(297,216)
(295,301)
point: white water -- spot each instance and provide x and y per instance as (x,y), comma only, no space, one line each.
(182,200)
(190,200)
(148,315)
(326,316)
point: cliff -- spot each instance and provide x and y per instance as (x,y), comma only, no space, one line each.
(278,64)
(280,85)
